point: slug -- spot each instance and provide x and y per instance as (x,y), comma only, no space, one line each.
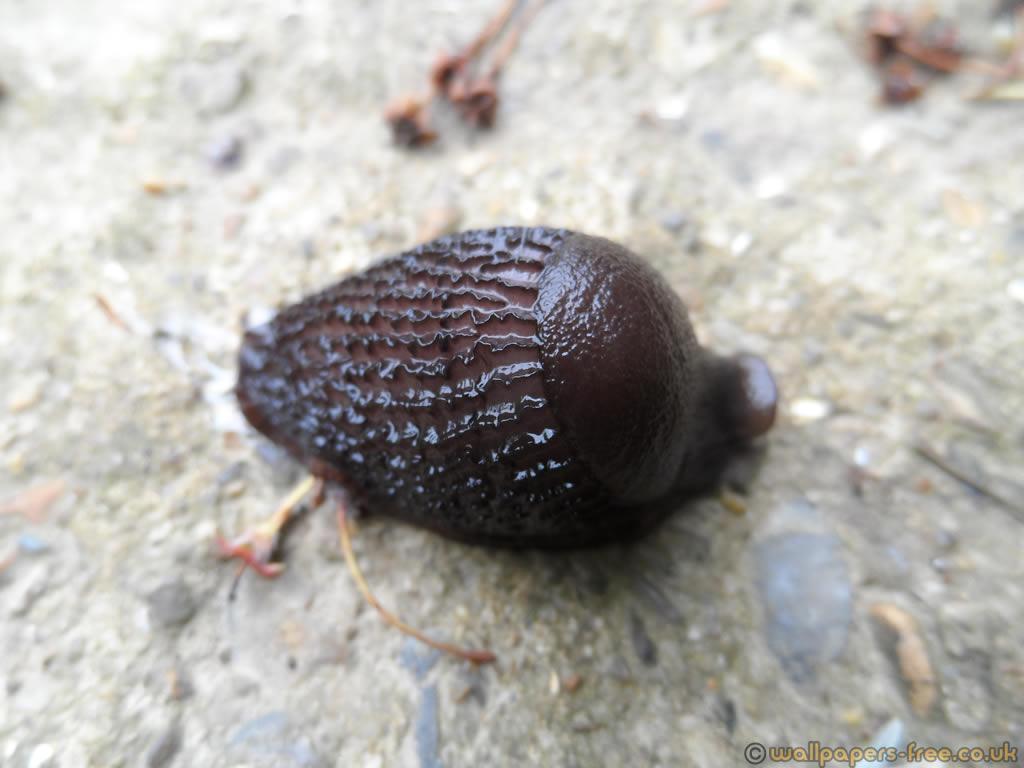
(523,387)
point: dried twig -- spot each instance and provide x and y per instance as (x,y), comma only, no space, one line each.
(450,66)
(938,461)
(475,656)
(1007,82)
(111,314)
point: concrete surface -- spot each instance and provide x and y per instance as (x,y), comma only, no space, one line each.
(874,256)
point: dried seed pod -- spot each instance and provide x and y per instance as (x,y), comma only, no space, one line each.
(410,125)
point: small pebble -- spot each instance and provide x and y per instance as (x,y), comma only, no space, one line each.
(770,187)
(966,629)
(648,589)
(428,736)
(741,472)
(283,160)
(741,243)
(874,139)
(726,711)
(27,590)
(782,58)
(269,740)
(417,658)
(1015,289)
(225,152)
(733,502)
(31,544)
(158,187)
(474,685)
(171,604)
(617,668)
(852,716)
(43,756)
(582,723)
(672,109)
(179,685)
(163,749)
(439,221)
(807,409)
(234,489)
(218,89)
(572,683)
(889,736)
(673,221)
(643,645)
(472,164)
(967,700)
(807,598)
(26,395)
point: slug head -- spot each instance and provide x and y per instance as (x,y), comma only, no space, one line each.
(737,399)
(644,406)
(621,365)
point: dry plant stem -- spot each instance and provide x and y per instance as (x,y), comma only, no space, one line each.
(938,461)
(941,61)
(1015,60)
(493,27)
(475,656)
(1004,71)
(255,547)
(110,313)
(450,70)
(511,41)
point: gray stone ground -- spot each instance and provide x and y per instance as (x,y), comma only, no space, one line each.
(873,256)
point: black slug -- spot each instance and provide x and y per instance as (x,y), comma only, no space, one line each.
(514,386)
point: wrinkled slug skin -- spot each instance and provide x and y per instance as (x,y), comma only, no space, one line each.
(524,387)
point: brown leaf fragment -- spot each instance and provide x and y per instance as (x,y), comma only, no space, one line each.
(911,656)
(34,503)
(961,210)
(572,683)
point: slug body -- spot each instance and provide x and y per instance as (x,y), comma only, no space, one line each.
(516,386)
